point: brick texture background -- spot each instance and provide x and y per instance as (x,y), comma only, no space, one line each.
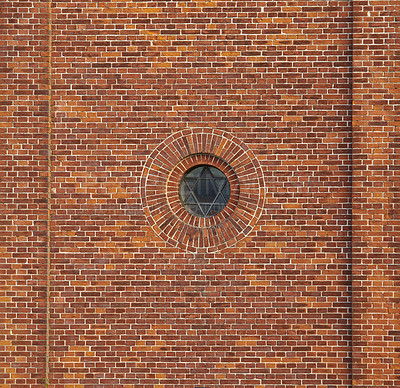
(302,84)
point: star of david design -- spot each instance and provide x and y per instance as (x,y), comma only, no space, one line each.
(204,191)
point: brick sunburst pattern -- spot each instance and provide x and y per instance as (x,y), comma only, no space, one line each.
(163,172)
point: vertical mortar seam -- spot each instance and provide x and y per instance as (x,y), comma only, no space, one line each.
(351,195)
(49,176)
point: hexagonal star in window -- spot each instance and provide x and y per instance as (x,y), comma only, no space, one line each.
(204,191)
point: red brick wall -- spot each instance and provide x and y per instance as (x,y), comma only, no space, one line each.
(129,309)
(135,87)
(23,192)
(376,222)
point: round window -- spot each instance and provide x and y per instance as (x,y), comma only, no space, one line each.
(204,191)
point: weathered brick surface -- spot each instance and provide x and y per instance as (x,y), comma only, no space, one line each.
(376,223)
(263,301)
(23,192)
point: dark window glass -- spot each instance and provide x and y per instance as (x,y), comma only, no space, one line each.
(204,191)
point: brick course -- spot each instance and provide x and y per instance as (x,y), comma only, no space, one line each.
(305,294)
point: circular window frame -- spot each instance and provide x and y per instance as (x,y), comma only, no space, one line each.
(198,186)
(176,176)
(160,180)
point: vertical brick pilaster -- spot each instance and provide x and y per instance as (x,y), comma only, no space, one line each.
(376,194)
(23,190)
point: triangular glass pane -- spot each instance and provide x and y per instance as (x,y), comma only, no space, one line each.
(220,183)
(184,191)
(191,200)
(205,208)
(190,182)
(206,174)
(217,173)
(226,191)
(194,173)
(195,209)
(220,200)
(215,209)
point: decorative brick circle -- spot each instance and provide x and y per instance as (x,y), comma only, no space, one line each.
(164,170)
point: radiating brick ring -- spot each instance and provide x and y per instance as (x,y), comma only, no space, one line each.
(163,172)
